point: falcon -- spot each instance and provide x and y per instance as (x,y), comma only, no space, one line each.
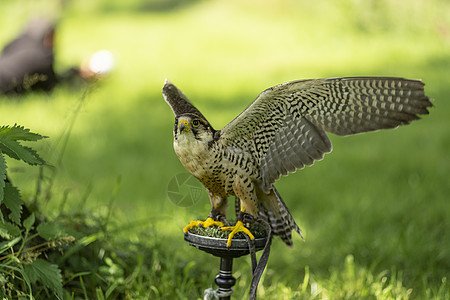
(281,131)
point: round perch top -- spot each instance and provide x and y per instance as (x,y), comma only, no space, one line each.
(214,241)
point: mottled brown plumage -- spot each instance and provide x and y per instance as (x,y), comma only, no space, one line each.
(282,131)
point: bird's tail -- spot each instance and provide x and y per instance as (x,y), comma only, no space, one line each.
(276,213)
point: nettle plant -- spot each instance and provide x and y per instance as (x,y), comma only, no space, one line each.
(24,271)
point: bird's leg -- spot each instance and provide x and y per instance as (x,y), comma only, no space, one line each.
(239,227)
(215,218)
(247,219)
(218,215)
(244,191)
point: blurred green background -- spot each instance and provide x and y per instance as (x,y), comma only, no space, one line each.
(380,201)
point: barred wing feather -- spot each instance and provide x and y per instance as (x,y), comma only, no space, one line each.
(284,128)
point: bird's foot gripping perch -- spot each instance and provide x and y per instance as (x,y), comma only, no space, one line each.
(239,227)
(207,223)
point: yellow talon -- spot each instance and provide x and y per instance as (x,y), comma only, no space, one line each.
(207,223)
(239,227)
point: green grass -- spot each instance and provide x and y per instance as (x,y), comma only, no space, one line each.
(374,212)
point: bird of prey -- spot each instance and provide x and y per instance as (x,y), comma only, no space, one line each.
(281,131)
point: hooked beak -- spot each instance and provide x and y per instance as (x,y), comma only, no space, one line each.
(183,125)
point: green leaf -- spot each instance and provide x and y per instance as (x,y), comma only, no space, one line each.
(100,295)
(34,153)
(20,133)
(28,223)
(13,202)
(9,230)
(2,176)
(50,230)
(47,273)
(8,244)
(17,151)
(9,152)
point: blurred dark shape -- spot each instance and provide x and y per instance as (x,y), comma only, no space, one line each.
(27,63)
(141,6)
(163,5)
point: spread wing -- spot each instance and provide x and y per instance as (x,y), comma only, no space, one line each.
(284,128)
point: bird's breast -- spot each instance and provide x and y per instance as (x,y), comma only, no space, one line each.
(216,167)
(193,154)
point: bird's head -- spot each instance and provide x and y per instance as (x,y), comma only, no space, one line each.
(192,126)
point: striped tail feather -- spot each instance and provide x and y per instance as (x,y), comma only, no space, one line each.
(279,217)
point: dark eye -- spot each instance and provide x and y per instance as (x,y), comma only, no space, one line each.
(196,123)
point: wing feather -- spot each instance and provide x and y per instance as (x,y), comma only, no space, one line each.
(284,128)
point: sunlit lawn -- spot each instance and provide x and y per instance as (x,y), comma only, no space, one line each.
(375,212)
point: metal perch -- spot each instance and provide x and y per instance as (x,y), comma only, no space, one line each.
(239,247)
